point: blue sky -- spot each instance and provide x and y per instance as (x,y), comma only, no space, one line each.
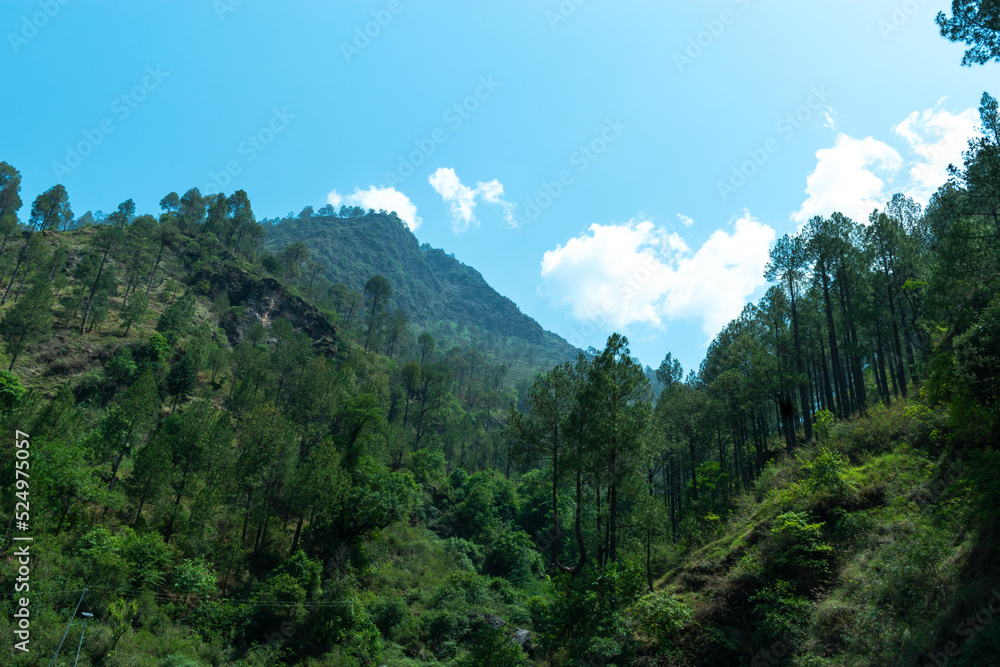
(579,153)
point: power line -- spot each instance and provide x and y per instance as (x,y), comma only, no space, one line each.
(169,597)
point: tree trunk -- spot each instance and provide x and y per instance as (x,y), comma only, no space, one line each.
(93,291)
(838,378)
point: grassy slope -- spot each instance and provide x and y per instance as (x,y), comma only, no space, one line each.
(908,567)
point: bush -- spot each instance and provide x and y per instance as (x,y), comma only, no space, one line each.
(879,432)
(779,611)
(661,615)
(194,577)
(493,648)
(513,557)
(798,543)
(468,555)
(158,349)
(824,422)
(828,472)
(388,613)
(977,356)
(11,390)
(586,614)
(178,660)
(121,369)
(123,559)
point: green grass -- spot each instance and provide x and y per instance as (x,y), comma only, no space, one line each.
(905,557)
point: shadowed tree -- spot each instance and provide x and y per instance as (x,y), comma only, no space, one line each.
(30,319)
(425,342)
(181,379)
(191,210)
(108,239)
(788,259)
(377,293)
(10,202)
(977,23)
(50,210)
(540,433)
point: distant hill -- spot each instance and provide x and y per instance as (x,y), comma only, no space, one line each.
(436,291)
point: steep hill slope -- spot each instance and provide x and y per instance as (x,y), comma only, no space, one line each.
(434,289)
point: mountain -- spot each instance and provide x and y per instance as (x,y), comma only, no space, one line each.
(436,291)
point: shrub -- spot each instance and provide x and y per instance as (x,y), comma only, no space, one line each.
(661,615)
(11,390)
(586,614)
(977,356)
(493,648)
(824,422)
(779,611)
(513,557)
(194,577)
(158,349)
(828,472)
(121,369)
(388,613)
(798,543)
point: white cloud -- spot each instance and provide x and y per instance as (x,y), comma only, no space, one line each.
(685,220)
(620,274)
(937,137)
(715,283)
(855,176)
(388,199)
(850,178)
(462,199)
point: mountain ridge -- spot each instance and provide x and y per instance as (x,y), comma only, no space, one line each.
(435,290)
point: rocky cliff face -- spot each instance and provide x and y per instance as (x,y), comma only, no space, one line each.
(265,300)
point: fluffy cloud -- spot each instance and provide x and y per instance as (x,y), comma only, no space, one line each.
(856,176)
(462,199)
(937,139)
(715,283)
(388,199)
(620,274)
(850,178)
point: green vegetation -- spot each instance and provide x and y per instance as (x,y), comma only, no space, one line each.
(243,463)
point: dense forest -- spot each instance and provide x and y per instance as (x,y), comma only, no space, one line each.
(231,459)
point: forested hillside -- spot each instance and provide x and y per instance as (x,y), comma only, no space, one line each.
(235,472)
(437,292)
(223,459)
